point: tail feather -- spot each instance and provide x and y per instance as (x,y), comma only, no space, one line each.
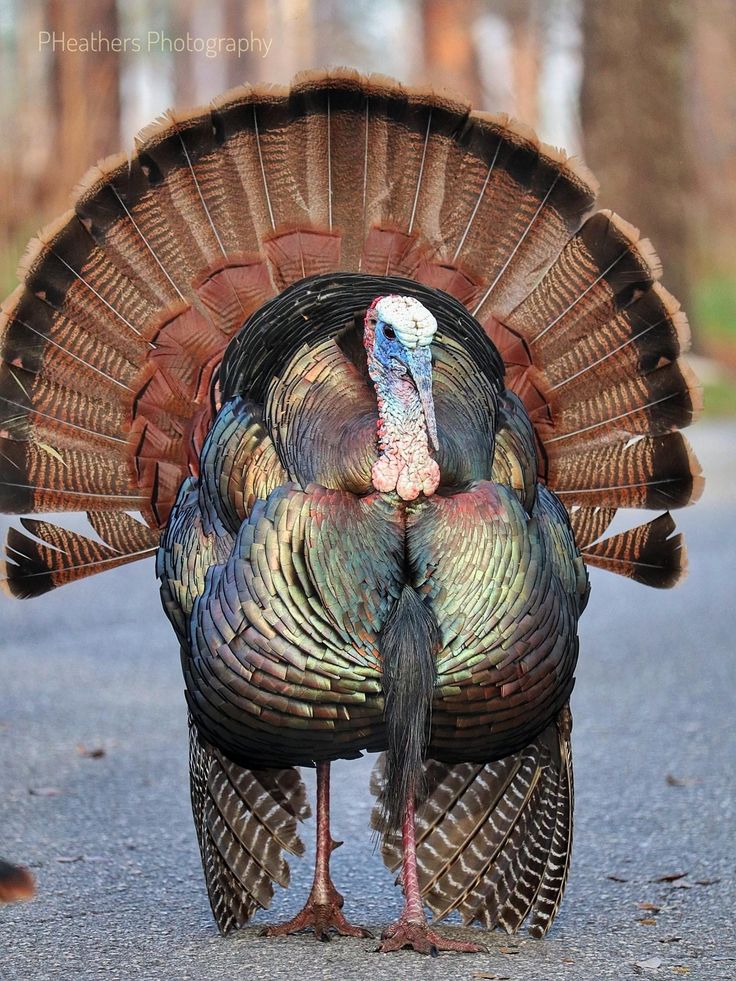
(79,278)
(106,208)
(408,644)
(603,345)
(50,556)
(639,472)
(33,400)
(245,821)
(650,553)
(658,401)
(494,841)
(170,154)
(600,271)
(557,867)
(589,523)
(45,343)
(649,331)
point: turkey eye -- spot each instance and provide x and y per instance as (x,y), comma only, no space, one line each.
(389,332)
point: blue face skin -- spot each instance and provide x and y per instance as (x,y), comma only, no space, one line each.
(398,361)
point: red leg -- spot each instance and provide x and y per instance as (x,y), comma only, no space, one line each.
(323,909)
(411,929)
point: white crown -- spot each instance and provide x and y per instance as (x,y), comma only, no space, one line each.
(415,326)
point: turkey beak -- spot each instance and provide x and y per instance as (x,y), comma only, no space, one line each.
(419,363)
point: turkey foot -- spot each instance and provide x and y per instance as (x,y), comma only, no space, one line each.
(411,929)
(322,912)
(322,915)
(418,936)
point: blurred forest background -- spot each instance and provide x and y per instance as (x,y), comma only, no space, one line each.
(643,90)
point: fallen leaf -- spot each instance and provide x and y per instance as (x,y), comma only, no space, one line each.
(95,753)
(651,965)
(670,940)
(681,969)
(670,877)
(647,922)
(509,950)
(493,977)
(650,906)
(682,885)
(616,878)
(68,859)
(706,882)
(567,960)
(44,791)
(673,781)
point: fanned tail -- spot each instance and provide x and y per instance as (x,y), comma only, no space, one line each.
(109,350)
(245,821)
(494,841)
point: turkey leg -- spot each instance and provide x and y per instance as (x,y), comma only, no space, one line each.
(412,929)
(322,911)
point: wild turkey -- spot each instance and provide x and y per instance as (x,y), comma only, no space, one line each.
(379,378)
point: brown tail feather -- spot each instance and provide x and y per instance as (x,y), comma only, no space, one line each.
(50,556)
(494,841)
(645,472)
(650,553)
(589,523)
(649,331)
(658,401)
(245,821)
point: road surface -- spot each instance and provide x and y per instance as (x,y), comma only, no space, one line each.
(110,839)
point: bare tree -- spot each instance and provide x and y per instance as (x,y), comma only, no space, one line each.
(634,118)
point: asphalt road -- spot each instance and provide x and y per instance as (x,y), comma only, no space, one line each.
(111,842)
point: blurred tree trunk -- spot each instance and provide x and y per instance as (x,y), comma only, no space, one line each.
(525,59)
(291,25)
(26,113)
(450,57)
(181,16)
(85,87)
(635,133)
(240,19)
(713,119)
